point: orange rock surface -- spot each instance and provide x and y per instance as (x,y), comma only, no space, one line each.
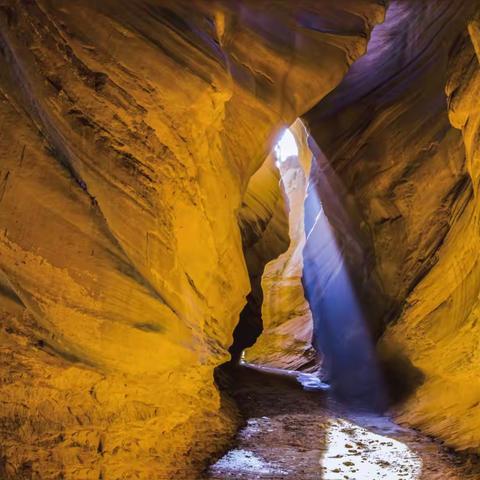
(129,132)
(147,235)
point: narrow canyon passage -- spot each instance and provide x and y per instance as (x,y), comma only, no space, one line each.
(189,185)
(294,434)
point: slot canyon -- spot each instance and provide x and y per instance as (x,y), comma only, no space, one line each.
(239,239)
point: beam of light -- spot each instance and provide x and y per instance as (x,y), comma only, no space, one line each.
(286,147)
(341,330)
(356,453)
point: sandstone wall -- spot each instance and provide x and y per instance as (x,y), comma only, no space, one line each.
(129,132)
(286,340)
(438,329)
(393,134)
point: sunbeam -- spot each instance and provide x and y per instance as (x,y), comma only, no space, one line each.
(342,331)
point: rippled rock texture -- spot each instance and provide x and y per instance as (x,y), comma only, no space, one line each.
(129,133)
(140,208)
(401,135)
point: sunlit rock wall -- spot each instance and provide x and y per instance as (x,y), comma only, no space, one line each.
(286,340)
(129,131)
(393,134)
(263,221)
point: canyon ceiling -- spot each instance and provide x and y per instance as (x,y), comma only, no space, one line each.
(140,205)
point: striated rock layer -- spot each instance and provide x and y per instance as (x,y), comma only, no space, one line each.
(401,133)
(129,132)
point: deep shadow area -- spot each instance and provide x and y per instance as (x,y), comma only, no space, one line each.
(257,392)
(249,327)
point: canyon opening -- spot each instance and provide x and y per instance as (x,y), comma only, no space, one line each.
(239,240)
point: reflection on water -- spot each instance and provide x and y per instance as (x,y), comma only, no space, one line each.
(355,453)
(291,434)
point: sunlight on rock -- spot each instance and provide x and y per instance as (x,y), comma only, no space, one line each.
(286,318)
(355,453)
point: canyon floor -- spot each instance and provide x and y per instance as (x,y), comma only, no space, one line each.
(290,433)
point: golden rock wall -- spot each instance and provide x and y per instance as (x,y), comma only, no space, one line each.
(263,221)
(129,131)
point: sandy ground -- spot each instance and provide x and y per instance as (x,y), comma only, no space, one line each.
(294,434)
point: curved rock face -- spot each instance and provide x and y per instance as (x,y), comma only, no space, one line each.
(392,132)
(263,221)
(286,340)
(443,309)
(130,130)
